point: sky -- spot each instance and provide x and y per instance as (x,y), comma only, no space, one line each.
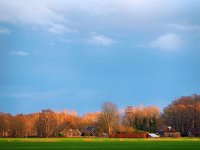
(75,55)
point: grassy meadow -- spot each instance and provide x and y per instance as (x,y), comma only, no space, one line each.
(98,144)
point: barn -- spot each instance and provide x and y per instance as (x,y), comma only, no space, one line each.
(67,130)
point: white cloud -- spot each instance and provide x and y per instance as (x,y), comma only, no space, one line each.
(19,53)
(98,39)
(4,30)
(168,42)
(59,29)
(29,12)
(48,12)
(185,27)
(64,16)
(34,13)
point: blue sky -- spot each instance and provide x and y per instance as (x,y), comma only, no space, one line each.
(72,54)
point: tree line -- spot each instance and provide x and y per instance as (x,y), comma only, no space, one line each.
(183,114)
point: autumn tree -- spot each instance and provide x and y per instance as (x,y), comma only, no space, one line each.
(90,118)
(109,117)
(31,128)
(142,118)
(183,114)
(18,126)
(4,124)
(68,116)
(46,123)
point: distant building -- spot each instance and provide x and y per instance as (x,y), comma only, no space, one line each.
(90,131)
(67,130)
(94,131)
(168,131)
(71,132)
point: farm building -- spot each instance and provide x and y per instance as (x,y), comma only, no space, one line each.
(67,130)
(70,132)
(94,131)
(90,131)
(168,131)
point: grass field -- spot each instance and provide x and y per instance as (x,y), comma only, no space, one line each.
(98,144)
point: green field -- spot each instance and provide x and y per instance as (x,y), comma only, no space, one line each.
(98,144)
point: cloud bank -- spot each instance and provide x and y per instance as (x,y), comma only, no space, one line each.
(98,39)
(168,42)
(63,17)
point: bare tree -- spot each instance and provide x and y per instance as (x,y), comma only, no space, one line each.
(109,117)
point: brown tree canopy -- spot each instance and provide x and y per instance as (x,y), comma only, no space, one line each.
(142,118)
(183,114)
(109,117)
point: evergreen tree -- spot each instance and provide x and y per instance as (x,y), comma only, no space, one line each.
(154,124)
(144,124)
(137,123)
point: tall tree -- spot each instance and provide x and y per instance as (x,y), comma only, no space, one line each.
(46,123)
(144,124)
(4,124)
(183,114)
(109,117)
(142,118)
(137,124)
(153,125)
(18,126)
